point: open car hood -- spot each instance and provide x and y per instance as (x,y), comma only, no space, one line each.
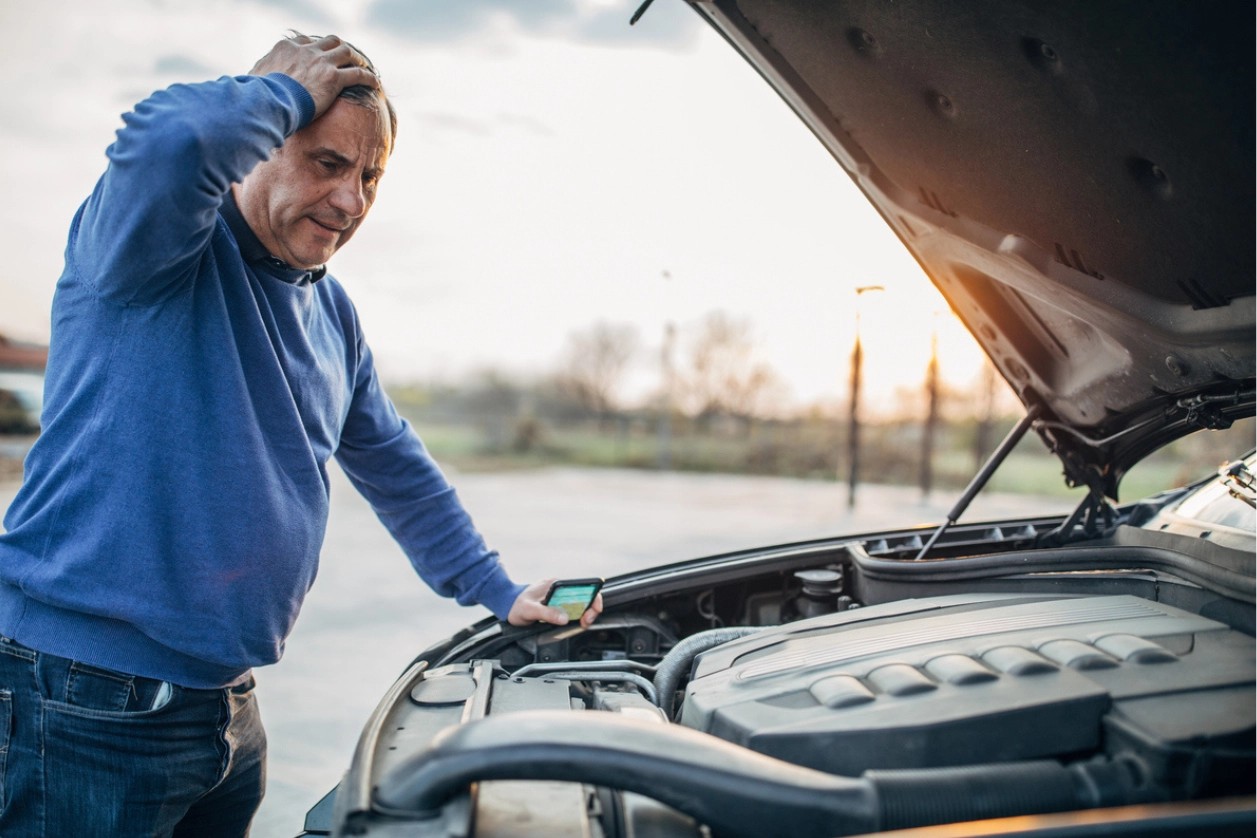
(1077,179)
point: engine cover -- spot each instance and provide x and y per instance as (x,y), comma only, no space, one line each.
(984,678)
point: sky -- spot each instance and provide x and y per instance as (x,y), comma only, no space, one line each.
(554,168)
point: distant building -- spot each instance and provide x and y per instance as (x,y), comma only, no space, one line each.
(16,355)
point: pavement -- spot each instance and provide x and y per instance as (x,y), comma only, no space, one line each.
(368,614)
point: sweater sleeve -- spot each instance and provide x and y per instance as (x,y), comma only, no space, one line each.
(148,220)
(389,465)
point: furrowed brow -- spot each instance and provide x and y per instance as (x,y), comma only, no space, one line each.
(324,151)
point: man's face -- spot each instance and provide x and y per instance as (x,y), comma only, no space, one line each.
(309,198)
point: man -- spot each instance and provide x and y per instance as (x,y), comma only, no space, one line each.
(203,370)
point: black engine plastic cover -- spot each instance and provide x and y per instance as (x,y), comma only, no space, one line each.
(985,678)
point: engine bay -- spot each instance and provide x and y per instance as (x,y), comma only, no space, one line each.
(835,697)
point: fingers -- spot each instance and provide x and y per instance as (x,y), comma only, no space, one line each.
(528,608)
(337,51)
(324,65)
(344,55)
(592,612)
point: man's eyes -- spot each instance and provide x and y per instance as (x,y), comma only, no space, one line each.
(332,167)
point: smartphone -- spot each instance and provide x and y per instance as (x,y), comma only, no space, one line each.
(573,596)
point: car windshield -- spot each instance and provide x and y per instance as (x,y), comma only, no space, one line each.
(1227,500)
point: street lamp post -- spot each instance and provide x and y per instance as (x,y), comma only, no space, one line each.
(931,414)
(663,458)
(853,428)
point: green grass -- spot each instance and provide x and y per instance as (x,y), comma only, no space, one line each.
(891,453)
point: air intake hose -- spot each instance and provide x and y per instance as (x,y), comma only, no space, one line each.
(734,791)
(677,662)
(919,797)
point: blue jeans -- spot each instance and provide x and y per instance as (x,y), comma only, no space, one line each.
(86,752)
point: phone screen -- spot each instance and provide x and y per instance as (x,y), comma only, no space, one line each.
(573,597)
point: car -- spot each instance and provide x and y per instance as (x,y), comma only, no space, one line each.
(21,399)
(1077,180)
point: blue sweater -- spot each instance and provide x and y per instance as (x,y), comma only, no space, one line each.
(174,506)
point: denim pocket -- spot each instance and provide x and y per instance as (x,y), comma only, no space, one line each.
(88,691)
(90,688)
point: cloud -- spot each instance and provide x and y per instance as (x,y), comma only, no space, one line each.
(430,22)
(667,24)
(527,123)
(597,22)
(306,10)
(182,66)
(456,123)
(442,21)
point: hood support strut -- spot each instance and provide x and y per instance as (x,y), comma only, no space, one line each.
(983,476)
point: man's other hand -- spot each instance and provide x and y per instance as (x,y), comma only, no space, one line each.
(529,609)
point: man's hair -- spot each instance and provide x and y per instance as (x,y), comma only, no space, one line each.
(360,94)
(370,97)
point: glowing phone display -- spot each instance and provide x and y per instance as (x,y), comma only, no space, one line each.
(573,596)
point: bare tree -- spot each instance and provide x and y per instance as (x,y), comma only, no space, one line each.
(932,418)
(723,376)
(594,364)
(985,404)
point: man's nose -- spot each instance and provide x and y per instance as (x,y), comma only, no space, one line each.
(349,197)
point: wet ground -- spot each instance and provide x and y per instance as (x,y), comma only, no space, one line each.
(368,614)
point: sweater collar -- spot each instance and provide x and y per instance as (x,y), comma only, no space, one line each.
(255,253)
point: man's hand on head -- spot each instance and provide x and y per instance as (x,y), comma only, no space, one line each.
(324,66)
(528,608)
